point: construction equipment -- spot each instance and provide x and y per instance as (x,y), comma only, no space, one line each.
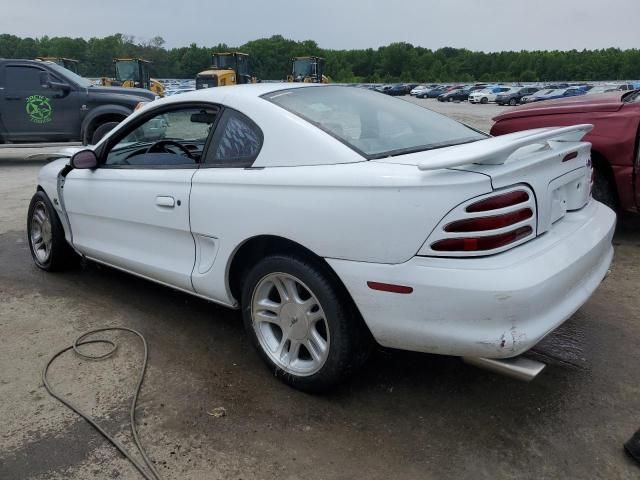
(308,70)
(226,69)
(133,72)
(68,63)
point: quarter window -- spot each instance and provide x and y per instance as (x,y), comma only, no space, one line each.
(236,141)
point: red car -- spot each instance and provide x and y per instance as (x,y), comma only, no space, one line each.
(615,138)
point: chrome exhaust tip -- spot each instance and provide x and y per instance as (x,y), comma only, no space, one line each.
(519,368)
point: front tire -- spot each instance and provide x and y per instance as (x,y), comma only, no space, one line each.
(48,246)
(302,322)
(513,102)
(484,100)
(101,131)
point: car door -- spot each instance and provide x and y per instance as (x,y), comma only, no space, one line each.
(132,211)
(33,111)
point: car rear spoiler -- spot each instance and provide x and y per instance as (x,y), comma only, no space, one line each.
(498,150)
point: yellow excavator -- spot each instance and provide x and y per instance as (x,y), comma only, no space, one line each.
(226,69)
(308,70)
(68,63)
(133,72)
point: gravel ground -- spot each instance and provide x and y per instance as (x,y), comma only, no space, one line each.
(404,416)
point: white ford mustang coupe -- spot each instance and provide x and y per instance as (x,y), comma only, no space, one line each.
(334,216)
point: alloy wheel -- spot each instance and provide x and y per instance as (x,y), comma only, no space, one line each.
(290,324)
(41,237)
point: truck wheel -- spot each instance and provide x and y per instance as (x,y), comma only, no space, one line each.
(301,323)
(101,131)
(49,248)
(604,190)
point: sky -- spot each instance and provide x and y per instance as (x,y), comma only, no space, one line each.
(486,25)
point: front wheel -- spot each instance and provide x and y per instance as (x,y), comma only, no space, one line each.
(302,323)
(513,102)
(484,100)
(49,248)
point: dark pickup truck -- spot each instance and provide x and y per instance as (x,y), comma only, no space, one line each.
(44,102)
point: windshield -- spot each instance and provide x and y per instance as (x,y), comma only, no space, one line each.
(69,75)
(302,68)
(224,61)
(374,125)
(126,71)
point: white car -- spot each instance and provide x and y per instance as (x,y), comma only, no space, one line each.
(487,95)
(418,89)
(332,216)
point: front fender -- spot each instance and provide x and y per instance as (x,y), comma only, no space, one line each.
(98,112)
(49,178)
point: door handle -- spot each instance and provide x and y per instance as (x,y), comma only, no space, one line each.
(165,201)
(12,98)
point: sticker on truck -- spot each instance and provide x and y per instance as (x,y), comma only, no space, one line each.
(39,109)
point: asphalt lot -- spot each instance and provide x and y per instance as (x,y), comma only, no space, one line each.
(404,416)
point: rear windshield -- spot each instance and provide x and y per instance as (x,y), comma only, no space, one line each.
(373,124)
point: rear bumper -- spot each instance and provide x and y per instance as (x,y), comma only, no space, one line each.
(494,307)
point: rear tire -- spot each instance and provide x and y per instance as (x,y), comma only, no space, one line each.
(48,246)
(604,190)
(302,322)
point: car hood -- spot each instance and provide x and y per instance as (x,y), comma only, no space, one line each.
(132,92)
(604,102)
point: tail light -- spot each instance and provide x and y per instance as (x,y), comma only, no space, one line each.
(491,224)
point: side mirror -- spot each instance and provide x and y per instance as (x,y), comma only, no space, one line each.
(84,159)
(59,86)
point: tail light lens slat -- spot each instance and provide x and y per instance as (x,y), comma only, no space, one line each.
(473,244)
(495,222)
(499,201)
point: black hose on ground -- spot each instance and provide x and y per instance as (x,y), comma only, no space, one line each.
(632,446)
(151,473)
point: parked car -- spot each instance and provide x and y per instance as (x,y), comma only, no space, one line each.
(555,94)
(534,97)
(603,89)
(486,95)
(40,101)
(514,95)
(418,89)
(434,92)
(459,95)
(616,120)
(396,90)
(225,208)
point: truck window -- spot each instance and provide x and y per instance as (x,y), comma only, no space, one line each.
(23,78)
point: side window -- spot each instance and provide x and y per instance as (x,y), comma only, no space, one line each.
(171,138)
(23,78)
(236,142)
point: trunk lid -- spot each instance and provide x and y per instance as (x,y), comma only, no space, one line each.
(553,162)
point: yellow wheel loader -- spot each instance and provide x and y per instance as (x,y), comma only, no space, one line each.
(307,70)
(133,72)
(226,69)
(68,63)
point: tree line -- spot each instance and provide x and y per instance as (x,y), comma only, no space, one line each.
(270,59)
